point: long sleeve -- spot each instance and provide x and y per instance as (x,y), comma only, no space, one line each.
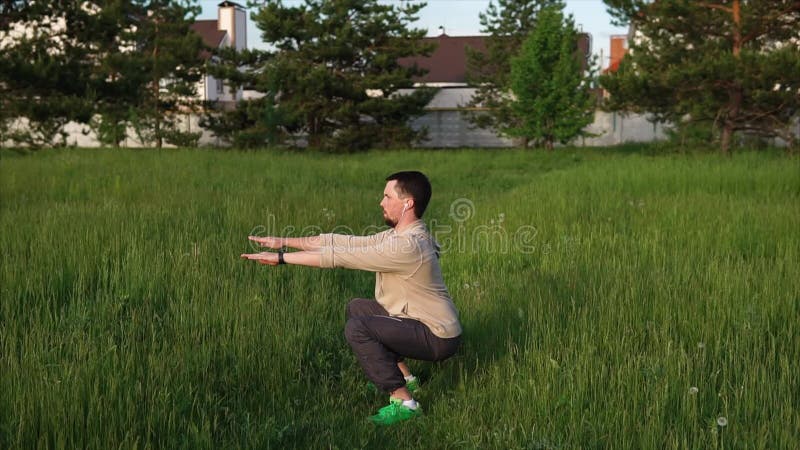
(349,241)
(388,253)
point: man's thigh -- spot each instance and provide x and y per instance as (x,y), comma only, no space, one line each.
(358,307)
(404,337)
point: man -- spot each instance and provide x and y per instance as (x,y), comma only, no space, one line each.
(412,314)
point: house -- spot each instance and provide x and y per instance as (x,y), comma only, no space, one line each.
(447,70)
(444,117)
(229,29)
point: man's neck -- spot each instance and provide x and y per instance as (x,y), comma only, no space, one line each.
(404,223)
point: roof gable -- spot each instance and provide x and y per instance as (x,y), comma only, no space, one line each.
(207,29)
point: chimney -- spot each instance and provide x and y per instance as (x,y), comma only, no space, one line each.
(619,44)
(232,18)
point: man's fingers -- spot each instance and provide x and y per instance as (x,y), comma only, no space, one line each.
(263,241)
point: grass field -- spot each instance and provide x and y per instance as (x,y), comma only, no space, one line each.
(610,299)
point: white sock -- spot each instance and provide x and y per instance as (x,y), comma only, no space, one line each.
(410,404)
(410,378)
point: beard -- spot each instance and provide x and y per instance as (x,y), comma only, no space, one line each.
(388,221)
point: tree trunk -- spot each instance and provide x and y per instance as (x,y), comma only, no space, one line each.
(548,144)
(730,124)
(727,133)
(156,100)
(735,94)
(156,116)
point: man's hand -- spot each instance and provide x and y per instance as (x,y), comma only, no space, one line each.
(268,241)
(268,258)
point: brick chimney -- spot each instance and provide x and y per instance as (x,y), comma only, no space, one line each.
(619,47)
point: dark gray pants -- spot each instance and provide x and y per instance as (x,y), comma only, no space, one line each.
(380,342)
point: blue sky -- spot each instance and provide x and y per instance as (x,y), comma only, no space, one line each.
(460,18)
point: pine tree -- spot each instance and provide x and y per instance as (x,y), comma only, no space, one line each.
(254,122)
(43,70)
(732,64)
(333,75)
(551,98)
(170,53)
(97,63)
(116,74)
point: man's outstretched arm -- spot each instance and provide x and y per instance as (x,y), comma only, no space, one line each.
(303,258)
(312,243)
(300,243)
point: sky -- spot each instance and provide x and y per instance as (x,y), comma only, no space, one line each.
(460,18)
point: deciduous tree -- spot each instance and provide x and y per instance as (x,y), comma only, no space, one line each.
(551,93)
(507,23)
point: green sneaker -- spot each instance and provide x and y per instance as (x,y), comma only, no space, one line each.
(412,386)
(394,412)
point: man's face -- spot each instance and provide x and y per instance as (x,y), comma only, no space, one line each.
(392,204)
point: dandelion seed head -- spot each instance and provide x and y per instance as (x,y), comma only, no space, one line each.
(722,421)
(466,285)
(701,345)
(693,390)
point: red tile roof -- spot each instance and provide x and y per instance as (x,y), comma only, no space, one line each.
(207,29)
(448,63)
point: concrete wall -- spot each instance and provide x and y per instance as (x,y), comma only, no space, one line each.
(613,128)
(449,128)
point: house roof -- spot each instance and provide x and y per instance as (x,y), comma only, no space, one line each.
(448,63)
(207,29)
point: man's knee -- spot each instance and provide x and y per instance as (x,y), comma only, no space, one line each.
(354,330)
(446,349)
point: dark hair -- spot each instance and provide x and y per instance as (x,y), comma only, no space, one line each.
(416,185)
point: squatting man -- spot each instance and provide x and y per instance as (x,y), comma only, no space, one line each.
(412,315)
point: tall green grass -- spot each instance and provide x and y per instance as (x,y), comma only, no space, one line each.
(596,289)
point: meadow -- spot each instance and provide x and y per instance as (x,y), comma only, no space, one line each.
(610,299)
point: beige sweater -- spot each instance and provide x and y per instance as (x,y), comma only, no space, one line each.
(408,279)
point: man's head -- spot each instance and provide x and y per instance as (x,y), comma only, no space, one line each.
(405,193)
